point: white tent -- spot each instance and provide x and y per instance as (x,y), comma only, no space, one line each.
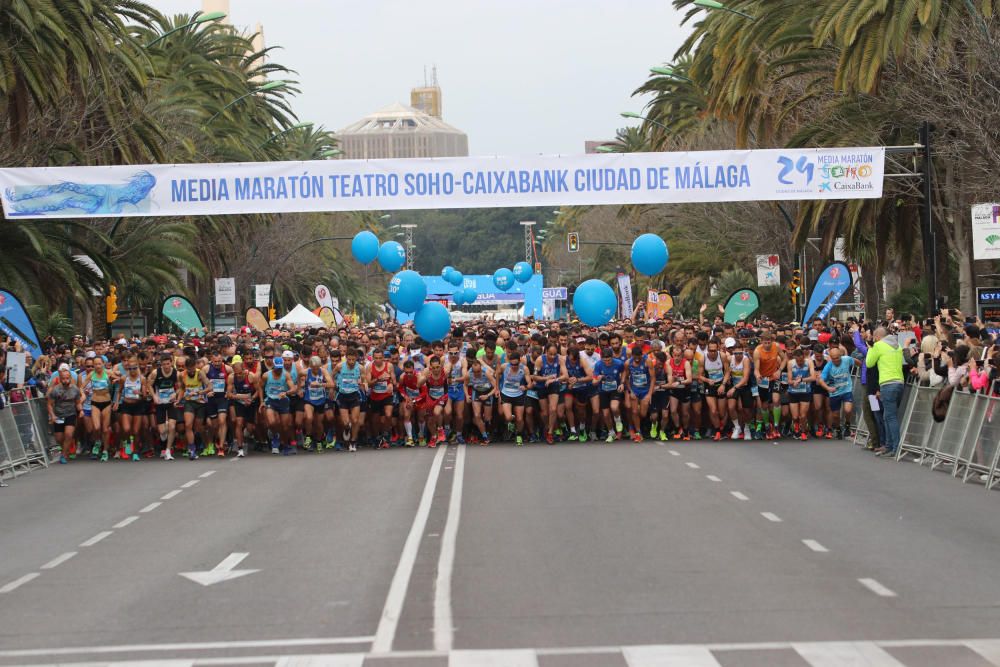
(300,316)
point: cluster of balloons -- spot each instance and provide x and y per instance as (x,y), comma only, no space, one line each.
(463,296)
(407,293)
(366,249)
(595,302)
(503,279)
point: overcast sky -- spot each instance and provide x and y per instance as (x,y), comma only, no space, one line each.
(519,77)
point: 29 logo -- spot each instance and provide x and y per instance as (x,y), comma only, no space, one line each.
(788,166)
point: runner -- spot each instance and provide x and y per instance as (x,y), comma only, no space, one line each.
(715,377)
(276,386)
(514,379)
(315,385)
(194,387)
(740,399)
(65,404)
(800,380)
(241,390)
(550,373)
(482,392)
(581,391)
(435,380)
(608,377)
(454,410)
(130,404)
(164,386)
(638,373)
(767,362)
(836,379)
(97,384)
(380,401)
(679,378)
(217,405)
(350,380)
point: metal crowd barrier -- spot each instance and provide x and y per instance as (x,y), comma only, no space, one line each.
(25,437)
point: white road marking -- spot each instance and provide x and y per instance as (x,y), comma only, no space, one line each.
(207,473)
(692,465)
(988,648)
(674,452)
(386,631)
(173,648)
(188,485)
(877,588)
(739,495)
(771,516)
(331,660)
(669,656)
(448,468)
(126,521)
(59,560)
(815,546)
(222,572)
(96,538)
(501,658)
(433,534)
(14,585)
(150,507)
(444,631)
(713,478)
(837,654)
(172,494)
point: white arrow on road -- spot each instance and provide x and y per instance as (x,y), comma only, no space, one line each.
(222,572)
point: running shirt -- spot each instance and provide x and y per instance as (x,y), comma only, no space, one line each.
(216,380)
(455,376)
(274,386)
(800,373)
(436,386)
(576,370)
(838,377)
(242,386)
(349,379)
(100,386)
(480,383)
(714,370)
(163,385)
(193,387)
(677,368)
(380,389)
(132,391)
(315,387)
(610,374)
(638,376)
(738,372)
(550,370)
(512,384)
(408,386)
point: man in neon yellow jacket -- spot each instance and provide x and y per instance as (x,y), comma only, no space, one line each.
(887,356)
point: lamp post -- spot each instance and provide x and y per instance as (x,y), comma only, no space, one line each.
(260,89)
(632,114)
(198,19)
(714,4)
(297,126)
(666,70)
(408,242)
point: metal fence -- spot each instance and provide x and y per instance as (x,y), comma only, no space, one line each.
(25,437)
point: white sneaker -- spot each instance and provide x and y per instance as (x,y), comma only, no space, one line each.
(275,450)
(747,435)
(240,453)
(737,433)
(352,448)
(167,456)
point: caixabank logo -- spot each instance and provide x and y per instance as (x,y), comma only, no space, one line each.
(826,174)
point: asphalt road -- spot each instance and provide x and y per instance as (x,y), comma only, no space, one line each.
(624,554)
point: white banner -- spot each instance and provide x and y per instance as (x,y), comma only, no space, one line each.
(16,362)
(323,296)
(625,290)
(459,182)
(262,296)
(986,231)
(225,291)
(768,270)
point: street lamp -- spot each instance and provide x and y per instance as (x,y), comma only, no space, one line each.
(714,4)
(267,86)
(198,19)
(297,126)
(632,114)
(666,70)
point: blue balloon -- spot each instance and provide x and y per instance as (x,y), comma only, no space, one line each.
(391,256)
(364,247)
(458,297)
(432,321)
(523,272)
(649,254)
(455,278)
(503,279)
(446,272)
(469,296)
(407,291)
(595,303)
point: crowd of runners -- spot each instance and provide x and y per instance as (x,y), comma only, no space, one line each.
(315,390)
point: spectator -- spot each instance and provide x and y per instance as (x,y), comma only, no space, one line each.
(927,361)
(887,357)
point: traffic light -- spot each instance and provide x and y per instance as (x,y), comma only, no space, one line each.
(271,314)
(573,242)
(111,305)
(795,287)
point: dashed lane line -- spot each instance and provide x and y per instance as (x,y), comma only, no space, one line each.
(96,538)
(126,521)
(17,583)
(172,494)
(771,516)
(59,560)
(150,507)
(877,588)
(739,495)
(815,546)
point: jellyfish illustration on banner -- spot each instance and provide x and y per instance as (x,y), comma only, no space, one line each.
(69,198)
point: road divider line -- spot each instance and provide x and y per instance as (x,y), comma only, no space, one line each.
(877,588)
(188,485)
(207,473)
(444,629)
(692,465)
(174,648)
(385,634)
(739,495)
(172,494)
(126,521)
(150,507)
(674,452)
(59,560)
(771,516)
(96,538)
(712,478)
(815,546)
(17,583)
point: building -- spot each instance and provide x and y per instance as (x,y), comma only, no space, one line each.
(427,98)
(399,131)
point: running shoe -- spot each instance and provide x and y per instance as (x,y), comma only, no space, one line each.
(747,436)
(275,450)
(718,435)
(518,440)
(409,442)
(664,437)
(486,440)
(459,439)
(62,460)
(583,436)
(677,435)
(422,442)
(128,448)
(221,452)
(95,451)
(652,431)
(240,453)
(686,436)
(209,449)
(636,437)
(829,434)
(610,438)
(573,437)
(549,439)
(737,433)
(803,436)
(192,454)
(697,435)
(104,457)
(135,456)
(307,444)
(168,455)
(353,447)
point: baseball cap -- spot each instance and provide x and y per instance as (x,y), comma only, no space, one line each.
(730,342)
(91,354)
(288,354)
(279,362)
(237,359)
(63,367)
(813,334)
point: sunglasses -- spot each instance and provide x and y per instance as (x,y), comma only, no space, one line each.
(132,368)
